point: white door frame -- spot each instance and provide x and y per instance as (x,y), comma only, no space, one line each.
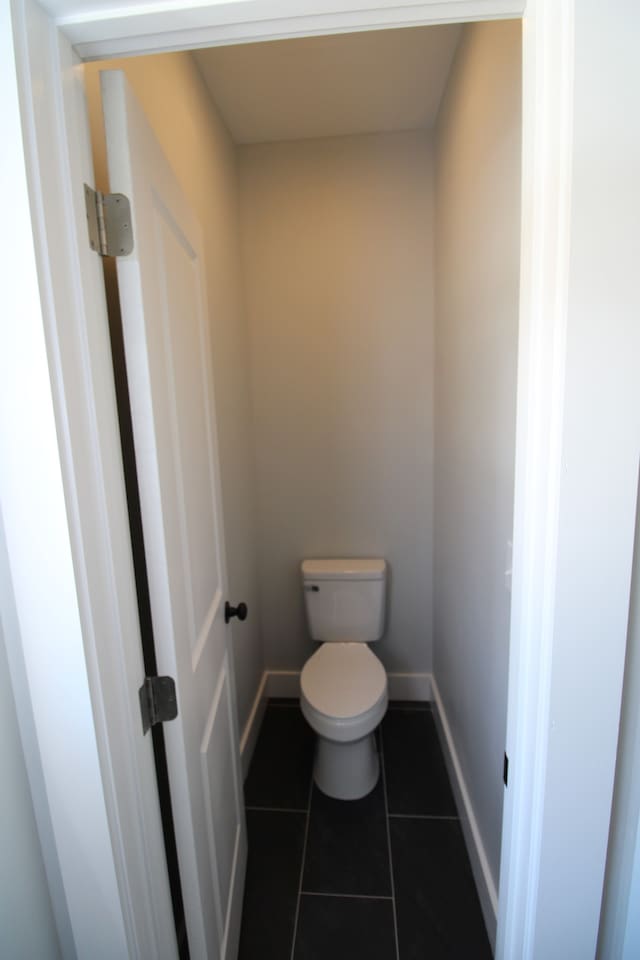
(57,343)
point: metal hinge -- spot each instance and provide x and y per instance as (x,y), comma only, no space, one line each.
(109,222)
(158,702)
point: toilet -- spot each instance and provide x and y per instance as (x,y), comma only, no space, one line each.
(343,686)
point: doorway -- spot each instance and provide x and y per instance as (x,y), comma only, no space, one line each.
(371,348)
(548,99)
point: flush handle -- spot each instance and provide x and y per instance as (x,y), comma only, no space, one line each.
(240,611)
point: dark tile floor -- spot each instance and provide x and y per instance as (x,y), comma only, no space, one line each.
(382,878)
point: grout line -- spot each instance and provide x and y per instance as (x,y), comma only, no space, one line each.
(344,896)
(410,708)
(386,820)
(275,809)
(421,816)
(304,854)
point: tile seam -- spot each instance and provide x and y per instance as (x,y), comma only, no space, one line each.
(304,854)
(422,816)
(408,708)
(387,824)
(345,896)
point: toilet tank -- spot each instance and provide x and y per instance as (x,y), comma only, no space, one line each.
(345,599)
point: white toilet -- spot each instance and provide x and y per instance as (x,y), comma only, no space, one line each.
(343,687)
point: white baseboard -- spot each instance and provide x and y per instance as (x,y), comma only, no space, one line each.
(483,877)
(273,683)
(252,726)
(402,686)
(286,683)
(283,683)
(410,686)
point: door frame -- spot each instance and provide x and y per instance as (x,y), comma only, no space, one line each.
(65,331)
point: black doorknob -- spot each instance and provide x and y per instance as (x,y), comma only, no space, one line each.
(240,611)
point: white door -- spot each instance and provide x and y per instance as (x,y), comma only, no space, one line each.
(169,367)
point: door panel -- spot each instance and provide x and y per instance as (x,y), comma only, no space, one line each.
(168,356)
(224,805)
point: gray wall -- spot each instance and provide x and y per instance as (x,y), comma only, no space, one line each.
(337,246)
(477,287)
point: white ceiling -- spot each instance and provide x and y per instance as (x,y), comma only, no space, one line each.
(384,80)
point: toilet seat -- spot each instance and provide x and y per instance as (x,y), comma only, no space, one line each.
(343,691)
(343,680)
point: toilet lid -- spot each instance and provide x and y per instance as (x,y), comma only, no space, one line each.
(343,680)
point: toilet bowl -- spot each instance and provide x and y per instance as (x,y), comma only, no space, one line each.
(343,686)
(343,696)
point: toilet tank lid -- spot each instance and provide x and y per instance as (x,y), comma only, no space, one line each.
(357,568)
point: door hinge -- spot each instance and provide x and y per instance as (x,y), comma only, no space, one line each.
(505,770)
(109,223)
(158,702)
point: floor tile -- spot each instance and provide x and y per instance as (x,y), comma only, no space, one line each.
(437,906)
(416,775)
(347,846)
(280,773)
(345,928)
(276,842)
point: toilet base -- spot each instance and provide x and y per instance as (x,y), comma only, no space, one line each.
(346,771)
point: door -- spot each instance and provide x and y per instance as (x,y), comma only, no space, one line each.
(169,368)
